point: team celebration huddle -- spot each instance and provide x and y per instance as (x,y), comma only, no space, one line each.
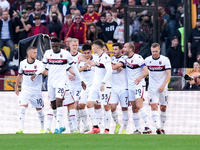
(86,83)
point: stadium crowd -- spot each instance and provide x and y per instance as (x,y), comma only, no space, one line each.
(80,24)
(88,20)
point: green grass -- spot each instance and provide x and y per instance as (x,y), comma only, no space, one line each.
(98,142)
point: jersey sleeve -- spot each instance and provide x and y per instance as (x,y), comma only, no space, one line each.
(20,71)
(122,60)
(167,64)
(141,62)
(69,59)
(45,60)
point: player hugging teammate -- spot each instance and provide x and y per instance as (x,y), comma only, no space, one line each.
(91,80)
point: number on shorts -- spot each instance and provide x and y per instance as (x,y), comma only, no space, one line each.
(61,90)
(138,92)
(166,97)
(78,93)
(39,102)
(126,100)
(104,97)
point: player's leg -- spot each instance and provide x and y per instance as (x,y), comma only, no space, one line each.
(21,118)
(105,99)
(113,104)
(72,116)
(82,110)
(93,95)
(41,118)
(49,119)
(76,94)
(124,105)
(163,108)
(139,92)
(98,111)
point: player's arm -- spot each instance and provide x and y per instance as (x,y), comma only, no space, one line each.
(161,88)
(108,75)
(118,65)
(18,80)
(145,73)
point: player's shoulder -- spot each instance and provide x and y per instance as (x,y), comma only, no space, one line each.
(164,57)
(23,61)
(148,58)
(38,61)
(105,56)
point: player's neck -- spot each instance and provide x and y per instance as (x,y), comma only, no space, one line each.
(74,53)
(131,54)
(30,60)
(100,52)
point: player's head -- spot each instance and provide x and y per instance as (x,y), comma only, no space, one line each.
(155,50)
(196,65)
(55,43)
(117,49)
(87,51)
(198,57)
(32,52)
(74,46)
(129,48)
(105,49)
(98,45)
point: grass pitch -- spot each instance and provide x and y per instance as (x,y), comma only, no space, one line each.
(98,142)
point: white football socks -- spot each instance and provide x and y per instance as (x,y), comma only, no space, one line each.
(136,120)
(41,118)
(22,116)
(115,117)
(125,119)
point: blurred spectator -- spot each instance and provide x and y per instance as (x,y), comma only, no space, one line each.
(24,26)
(55,25)
(85,3)
(117,4)
(29,9)
(4,5)
(180,34)
(65,2)
(67,42)
(93,33)
(193,84)
(17,7)
(7,33)
(91,16)
(107,3)
(115,15)
(78,30)
(175,54)
(54,8)
(72,10)
(13,65)
(131,2)
(98,7)
(179,12)
(3,65)
(63,46)
(194,43)
(38,28)
(143,3)
(102,21)
(196,66)
(119,32)
(75,3)
(109,29)
(62,8)
(65,27)
(198,57)
(38,11)
(53,35)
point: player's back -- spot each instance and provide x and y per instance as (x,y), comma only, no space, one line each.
(134,66)
(119,81)
(57,66)
(29,69)
(157,68)
(100,70)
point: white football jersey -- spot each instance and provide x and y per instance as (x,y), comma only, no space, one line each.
(102,62)
(157,68)
(57,65)
(119,81)
(88,74)
(27,69)
(134,65)
(77,81)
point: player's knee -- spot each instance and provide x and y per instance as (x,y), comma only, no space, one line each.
(81,106)
(113,108)
(97,106)
(124,108)
(90,104)
(154,107)
(163,108)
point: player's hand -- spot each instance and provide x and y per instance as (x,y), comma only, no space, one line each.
(137,81)
(102,87)
(33,77)
(71,77)
(119,69)
(16,91)
(160,89)
(83,85)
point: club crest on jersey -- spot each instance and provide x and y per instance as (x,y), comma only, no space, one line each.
(131,61)
(25,66)
(61,55)
(35,66)
(160,62)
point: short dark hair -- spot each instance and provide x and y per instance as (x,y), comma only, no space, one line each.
(100,43)
(103,14)
(55,40)
(86,47)
(90,4)
(30,48)
(119,45)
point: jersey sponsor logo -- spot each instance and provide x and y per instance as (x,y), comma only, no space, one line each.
(57,61)
(29,72)
(132,66)
(100,65)
(156,68)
